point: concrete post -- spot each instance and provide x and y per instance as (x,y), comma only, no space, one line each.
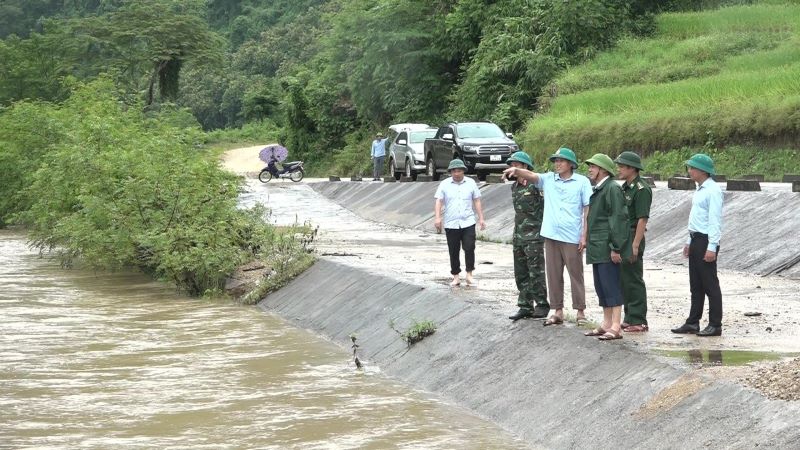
(494,178)
(791,178)
(681,184)
(333,178)
(744,185)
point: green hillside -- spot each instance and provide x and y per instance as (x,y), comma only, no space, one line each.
(725,81)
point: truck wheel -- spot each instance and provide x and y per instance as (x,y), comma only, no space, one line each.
(482,176)
(409,171)
(393,168)
(431,169)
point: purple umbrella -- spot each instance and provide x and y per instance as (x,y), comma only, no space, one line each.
(278,152)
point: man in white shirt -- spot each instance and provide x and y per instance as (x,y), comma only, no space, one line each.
(457,201)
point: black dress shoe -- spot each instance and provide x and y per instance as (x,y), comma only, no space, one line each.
(710,331)
(686,329)
(521,314)
(540,312)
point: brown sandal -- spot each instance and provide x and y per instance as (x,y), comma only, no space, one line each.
(553,320)
(639,328)
(610,335)
(596,332)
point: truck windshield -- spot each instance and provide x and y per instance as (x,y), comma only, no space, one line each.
(479,130)
(418,137)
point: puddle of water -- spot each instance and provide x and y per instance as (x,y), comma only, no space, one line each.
(705,358)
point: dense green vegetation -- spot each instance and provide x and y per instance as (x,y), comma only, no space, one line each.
(704,81)
(96,179)
(324,74)
(112,112)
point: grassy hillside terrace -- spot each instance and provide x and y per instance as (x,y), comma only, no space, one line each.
(704,81)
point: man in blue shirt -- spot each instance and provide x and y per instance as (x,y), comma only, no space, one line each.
(566,206)
(378,154)
(459,199)
(702,246)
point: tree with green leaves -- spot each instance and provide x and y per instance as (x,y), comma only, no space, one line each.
(149,40)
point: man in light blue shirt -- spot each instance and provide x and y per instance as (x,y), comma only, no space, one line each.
(566,206)
(702,246)
(459,199)
(378,154)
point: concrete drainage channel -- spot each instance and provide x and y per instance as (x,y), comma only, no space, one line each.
(555,388)
(552,387)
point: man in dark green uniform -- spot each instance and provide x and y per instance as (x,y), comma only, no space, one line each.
(638,197)
(607,244)
(528,244)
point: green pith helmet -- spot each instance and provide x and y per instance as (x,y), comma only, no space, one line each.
(701,161)
(630,159)
(603,161)
(521,157)
(456,164)
(566,154)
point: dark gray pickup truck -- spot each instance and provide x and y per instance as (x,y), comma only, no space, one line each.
(482,146)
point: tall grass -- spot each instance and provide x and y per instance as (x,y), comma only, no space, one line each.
(705,79)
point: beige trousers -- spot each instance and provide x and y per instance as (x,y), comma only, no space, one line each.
(558,254)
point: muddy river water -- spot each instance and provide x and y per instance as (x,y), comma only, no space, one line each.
(115,360)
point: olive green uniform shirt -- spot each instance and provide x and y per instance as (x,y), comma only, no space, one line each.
(638,198)
(607,223)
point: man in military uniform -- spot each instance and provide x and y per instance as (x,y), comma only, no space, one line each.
(638,197)
(528,244)
(607,246)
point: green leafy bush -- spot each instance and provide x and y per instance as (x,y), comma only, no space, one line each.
(118,188)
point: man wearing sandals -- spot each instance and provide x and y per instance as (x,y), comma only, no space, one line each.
(606,246)
(459,199)
(638,198)
(528,244)
(566,205)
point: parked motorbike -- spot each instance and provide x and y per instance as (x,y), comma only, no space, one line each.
(291,170)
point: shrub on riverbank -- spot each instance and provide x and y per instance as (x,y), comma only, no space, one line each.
(96,179)
(706,79)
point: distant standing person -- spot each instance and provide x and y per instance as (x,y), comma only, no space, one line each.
(702,247)
(378,154)
(566,205)
(607,244)
(528,244)
(638,198)
(457,201)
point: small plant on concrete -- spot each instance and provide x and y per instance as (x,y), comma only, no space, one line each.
(355,351)
(418,331)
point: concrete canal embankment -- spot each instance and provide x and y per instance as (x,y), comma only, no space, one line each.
(760,235)
(551,386)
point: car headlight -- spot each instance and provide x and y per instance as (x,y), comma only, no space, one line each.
(471,148)
(513,147)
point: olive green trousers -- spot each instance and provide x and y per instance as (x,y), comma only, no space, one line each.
(634,291)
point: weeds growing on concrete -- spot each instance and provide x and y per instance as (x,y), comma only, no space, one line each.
(418,331)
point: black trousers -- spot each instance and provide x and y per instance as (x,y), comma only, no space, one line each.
(458,238)
(703,282)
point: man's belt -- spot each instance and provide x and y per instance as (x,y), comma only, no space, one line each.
(697,234)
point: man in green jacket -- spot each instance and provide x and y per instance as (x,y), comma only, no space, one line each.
(606,244)
(528,244)
(638,197)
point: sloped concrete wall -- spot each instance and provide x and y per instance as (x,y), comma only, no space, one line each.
(549,385)
(761,229)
